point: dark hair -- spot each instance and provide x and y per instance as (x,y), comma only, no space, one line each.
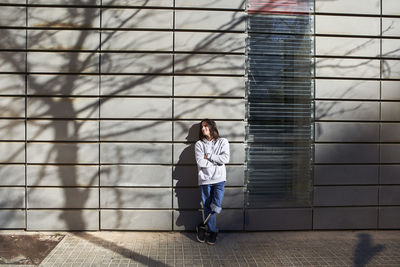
(213,129)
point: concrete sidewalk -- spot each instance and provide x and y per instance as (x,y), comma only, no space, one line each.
(299,248)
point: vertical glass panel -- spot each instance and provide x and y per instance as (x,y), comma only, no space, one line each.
(279,103)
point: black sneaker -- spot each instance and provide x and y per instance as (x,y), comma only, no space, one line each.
(201,233)
(212,238)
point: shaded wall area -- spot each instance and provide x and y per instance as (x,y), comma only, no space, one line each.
(357,89)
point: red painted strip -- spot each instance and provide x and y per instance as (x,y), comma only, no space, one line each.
(279,6)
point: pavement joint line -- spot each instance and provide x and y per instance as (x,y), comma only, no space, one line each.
(296,248)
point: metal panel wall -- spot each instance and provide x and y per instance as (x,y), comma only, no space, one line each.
(100,103)
(356,113)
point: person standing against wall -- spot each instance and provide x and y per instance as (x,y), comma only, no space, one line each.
(212,153)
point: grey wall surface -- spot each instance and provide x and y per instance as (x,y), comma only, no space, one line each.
(356,172)
(100,104)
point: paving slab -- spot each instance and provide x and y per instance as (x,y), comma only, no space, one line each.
(295,248)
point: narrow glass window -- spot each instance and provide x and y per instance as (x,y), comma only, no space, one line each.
(279,103)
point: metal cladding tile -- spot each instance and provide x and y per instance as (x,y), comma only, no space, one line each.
(144,220)
(12,197)
(217,86)
(13,16)
(62,130)
(62,220)
(345,218)
(12,219)
(139,3)
(135,175)
(137,40)
(347,89)
(12,84)
(390,174)
(218,109)
(346,174)
(346,132)
(12,39)
(12,175)
(15,152)
(69,175)
(352,25)
(122,130)
(132,198)
(391,27)
(390,7)
(390,111)
(63,62)
(63,198)
(390,153)
(347,110)
(339,46)
(390,90)
(154,153)
(278,219)
(223,4)
(389,217)
(12,130)
(64,17)
(391,68)
(210,42)
(64,2)
(133,108)
(12,107)
(63,85)
(390,49)
(63,153)
(346,195)
(346,153)
(135,85)
(210,20)
(231,220)
(142,18)
(371,7)
(220,64)
(390,132)
(389,195)
(143,63)
(63,40)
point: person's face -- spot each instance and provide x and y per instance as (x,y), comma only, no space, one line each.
(205,130)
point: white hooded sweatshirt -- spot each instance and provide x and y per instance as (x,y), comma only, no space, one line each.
(212,170)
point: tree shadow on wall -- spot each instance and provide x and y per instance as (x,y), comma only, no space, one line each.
(185,179)
(65,103)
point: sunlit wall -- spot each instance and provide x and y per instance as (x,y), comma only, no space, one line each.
(100,104)
(100,101)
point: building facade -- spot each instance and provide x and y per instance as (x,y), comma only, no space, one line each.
(101,99)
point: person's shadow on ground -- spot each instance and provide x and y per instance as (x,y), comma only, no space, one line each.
(186,188)
(365,251)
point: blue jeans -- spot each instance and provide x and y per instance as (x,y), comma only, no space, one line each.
(212,193)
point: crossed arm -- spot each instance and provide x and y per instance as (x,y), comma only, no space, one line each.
(204,160)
